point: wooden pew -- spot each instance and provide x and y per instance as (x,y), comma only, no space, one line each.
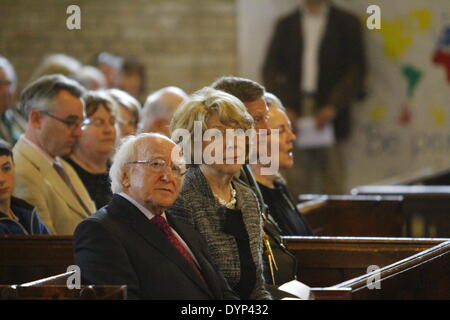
(55,288)
(27,258)
(425,275)
(57,280)
(52,287)
(427,208)
(62,293)
(324,262)
(410,268)
(355,216)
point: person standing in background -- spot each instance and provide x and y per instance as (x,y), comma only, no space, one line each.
(316,64)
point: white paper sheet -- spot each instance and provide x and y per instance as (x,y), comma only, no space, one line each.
(296,288)
(308,136)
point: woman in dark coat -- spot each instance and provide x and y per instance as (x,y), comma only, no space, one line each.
(224,210)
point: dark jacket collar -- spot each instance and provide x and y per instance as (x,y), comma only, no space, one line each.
(121,208)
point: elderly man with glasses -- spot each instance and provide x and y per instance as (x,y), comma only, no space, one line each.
(133,241)
(55,112)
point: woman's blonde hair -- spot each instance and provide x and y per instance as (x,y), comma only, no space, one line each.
(204,103)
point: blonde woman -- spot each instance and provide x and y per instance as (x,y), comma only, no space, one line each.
(224,210)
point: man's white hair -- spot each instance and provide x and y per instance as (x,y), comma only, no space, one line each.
(160,104)
(127,152)
(91,78)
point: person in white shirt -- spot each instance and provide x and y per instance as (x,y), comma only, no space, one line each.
(315,64)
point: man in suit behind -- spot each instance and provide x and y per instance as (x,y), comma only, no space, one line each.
(132,240)
(316,64)
(55,111)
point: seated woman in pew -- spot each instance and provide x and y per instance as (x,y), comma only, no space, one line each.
(94,148)
(281,204)
(223,209)
(16,215)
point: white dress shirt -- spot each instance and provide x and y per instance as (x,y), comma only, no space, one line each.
(313,27)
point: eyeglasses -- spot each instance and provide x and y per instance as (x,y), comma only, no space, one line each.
(70,123)
(159,165)
(99,123)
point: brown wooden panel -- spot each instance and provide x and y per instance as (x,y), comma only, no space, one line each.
(325,261)
(62,293)
(427,205)
(28,258)
(355,216)
(425,275)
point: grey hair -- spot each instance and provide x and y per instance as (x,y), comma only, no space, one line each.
(57,63)
(156,106)
(245,90)
(273,101)
(126,100)
(89,76)
(39,94)
(127,152)
(9,71)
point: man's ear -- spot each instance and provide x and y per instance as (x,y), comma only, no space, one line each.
(35,119)
(125,180)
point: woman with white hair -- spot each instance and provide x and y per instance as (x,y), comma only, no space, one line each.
(223,209)
(273,188)
(91,154)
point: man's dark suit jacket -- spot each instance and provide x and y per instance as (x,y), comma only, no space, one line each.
(118,245)
(341,64)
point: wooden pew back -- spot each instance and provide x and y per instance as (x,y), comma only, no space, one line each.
(59,292)
(327,261)
(27,258)
(355,216)
(425,275)
(323,262)
(427,208)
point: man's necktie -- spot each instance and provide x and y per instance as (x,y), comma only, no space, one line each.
(162,225)
(62,173)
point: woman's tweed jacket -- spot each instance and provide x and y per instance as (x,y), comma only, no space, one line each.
(197,205)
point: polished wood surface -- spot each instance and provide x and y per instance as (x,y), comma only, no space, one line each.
(324,264)
(330,261)
(358,216)
(427,208)
(62,293)
(27,258)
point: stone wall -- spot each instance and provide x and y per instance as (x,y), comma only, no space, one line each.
(187,43)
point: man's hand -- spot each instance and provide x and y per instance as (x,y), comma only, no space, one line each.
(325,115)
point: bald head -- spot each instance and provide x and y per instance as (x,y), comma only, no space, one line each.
(159,108)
